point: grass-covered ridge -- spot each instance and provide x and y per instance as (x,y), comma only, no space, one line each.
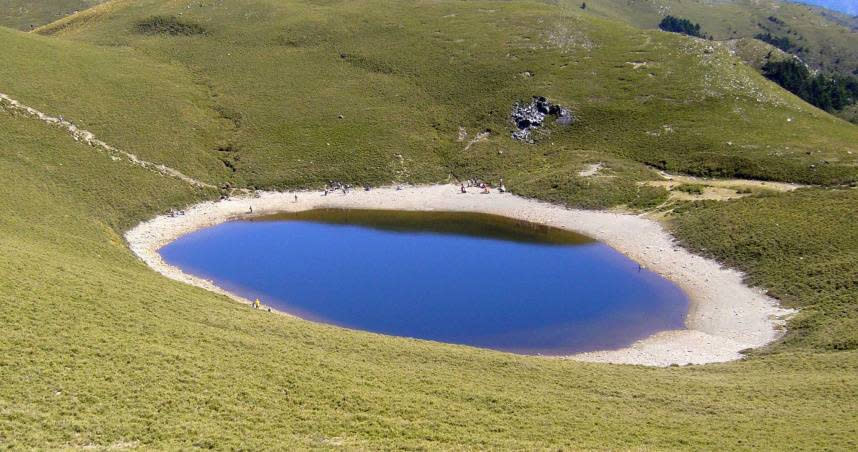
(98,350)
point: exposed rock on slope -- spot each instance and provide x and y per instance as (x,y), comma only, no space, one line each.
(527,117)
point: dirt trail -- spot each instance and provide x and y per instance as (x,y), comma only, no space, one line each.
(90,139)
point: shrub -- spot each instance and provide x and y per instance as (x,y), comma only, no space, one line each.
(677,25)
(827,93)
(693,189)
(169,25)
(782,43)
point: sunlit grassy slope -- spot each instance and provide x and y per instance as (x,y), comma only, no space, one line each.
(98,350)
(405,77)
(827,39)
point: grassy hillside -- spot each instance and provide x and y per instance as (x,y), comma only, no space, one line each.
(768,237)
(100,351)
(406,78)
(28,14)
(756,53)
(824,39)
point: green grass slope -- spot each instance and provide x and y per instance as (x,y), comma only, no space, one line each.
(28,14)
(99,351)
(827,39)
(405,78)
(802,246)
(119,94)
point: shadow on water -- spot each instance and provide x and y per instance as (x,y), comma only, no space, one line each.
(469,224)
(461,278)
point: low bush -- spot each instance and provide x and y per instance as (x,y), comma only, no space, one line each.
(693,189)
(169,25)
(677,25)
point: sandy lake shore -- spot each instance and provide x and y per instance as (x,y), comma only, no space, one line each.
(724,318)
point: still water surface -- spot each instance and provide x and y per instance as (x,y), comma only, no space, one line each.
(462,278)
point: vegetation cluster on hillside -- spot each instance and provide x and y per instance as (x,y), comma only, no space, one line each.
(678,25)
(826,92)
(832,93)
(169,25)
(823,39)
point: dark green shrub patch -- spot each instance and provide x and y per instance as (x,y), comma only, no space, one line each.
(169,25)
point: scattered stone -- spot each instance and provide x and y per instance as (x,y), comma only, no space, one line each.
(463,134)
(591,170)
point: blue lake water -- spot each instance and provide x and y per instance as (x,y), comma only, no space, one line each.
(461,278)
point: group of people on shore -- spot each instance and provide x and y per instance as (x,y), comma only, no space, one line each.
(482,186)
(334,186)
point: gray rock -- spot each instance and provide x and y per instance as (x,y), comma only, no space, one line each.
(530,116)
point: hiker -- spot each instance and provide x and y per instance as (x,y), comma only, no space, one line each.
(484,187)
(296,198)
(256,304)
(462,188)
(502,187)
(326,192)
(250,210)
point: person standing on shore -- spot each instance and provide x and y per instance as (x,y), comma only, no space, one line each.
(256,304)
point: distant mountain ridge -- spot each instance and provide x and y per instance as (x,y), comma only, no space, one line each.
(843,6)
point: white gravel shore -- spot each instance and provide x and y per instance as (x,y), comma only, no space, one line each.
(725,316)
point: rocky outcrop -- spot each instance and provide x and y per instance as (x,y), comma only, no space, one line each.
(529,116)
